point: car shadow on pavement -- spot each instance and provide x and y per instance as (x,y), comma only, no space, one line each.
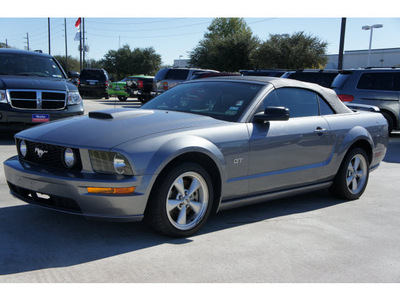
(33,238)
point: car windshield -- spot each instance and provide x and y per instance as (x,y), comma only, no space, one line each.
(220,100)
(29,65)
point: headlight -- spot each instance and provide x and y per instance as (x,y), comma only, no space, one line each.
(23,149)
(74,98)
(69,158)
(109,163)
(3,96)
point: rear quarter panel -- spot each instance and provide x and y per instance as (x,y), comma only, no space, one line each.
(348,129)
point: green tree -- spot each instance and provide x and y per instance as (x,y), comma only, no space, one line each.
(3,45)
(296,51)
(124,61)
(226,47)
(73,63)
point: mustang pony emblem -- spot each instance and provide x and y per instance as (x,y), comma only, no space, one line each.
(40,152)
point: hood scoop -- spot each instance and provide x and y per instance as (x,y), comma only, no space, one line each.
(100,115)
(118,114)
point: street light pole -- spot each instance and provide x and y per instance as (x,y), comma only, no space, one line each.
(366,27)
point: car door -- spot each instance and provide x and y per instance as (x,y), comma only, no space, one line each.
(288,154)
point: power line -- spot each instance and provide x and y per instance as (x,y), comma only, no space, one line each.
(134,23)
(147,37)
(164,28)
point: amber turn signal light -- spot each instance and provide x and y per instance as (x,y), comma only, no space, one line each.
(115,191)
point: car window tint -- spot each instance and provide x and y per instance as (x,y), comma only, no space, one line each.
(301,102)
(177,74)
(377,81)
(340,80)
(93,74)
(324,108)
(161,74)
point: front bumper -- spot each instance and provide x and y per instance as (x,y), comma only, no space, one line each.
(11,117)
(62,191)
(88,90)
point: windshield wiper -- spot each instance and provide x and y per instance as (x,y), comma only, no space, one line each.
(32,74)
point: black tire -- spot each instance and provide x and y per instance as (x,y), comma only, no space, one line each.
(122,98)
(352,177)
(173,214)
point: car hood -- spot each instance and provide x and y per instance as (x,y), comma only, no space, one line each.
(108,128)
(35,82)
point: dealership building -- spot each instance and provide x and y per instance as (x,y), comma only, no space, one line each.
(388,57)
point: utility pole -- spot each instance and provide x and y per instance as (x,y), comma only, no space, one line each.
(341,45)
(80,50)
(48,26)
(66,47)
(27,41)
(84,47)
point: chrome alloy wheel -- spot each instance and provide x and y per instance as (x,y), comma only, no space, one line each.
(357,174)
(187,200)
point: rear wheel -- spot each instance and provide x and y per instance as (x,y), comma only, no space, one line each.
(352,177)
(181,201)
(122,98)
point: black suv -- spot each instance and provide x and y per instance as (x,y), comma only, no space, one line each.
(93,82)
(323,77)
(372,86)
(34,89)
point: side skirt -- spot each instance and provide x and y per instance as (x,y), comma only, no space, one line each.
(271,196)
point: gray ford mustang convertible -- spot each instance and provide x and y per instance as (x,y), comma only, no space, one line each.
(201,147)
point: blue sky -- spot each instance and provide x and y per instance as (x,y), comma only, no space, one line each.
(173,31)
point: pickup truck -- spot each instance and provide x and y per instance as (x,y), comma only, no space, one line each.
(140,86)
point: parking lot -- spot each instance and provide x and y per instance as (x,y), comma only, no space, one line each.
(309,238)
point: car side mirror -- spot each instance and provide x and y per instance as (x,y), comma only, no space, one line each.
(272,113)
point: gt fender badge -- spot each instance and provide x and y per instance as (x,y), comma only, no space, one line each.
(237,161)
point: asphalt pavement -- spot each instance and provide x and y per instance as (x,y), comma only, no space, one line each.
(313,238)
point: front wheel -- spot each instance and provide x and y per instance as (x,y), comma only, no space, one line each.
(352,177)
(181,201)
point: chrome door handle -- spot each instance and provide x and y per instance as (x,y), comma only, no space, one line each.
(320,130)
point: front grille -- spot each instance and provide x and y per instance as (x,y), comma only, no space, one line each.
(49,155)
(37,99)
(51,201)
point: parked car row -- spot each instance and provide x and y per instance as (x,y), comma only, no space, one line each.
(371,86)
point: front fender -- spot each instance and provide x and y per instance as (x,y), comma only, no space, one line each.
(182,145)
(149,164)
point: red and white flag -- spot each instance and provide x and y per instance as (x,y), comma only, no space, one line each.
(78,23)
(78,33)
